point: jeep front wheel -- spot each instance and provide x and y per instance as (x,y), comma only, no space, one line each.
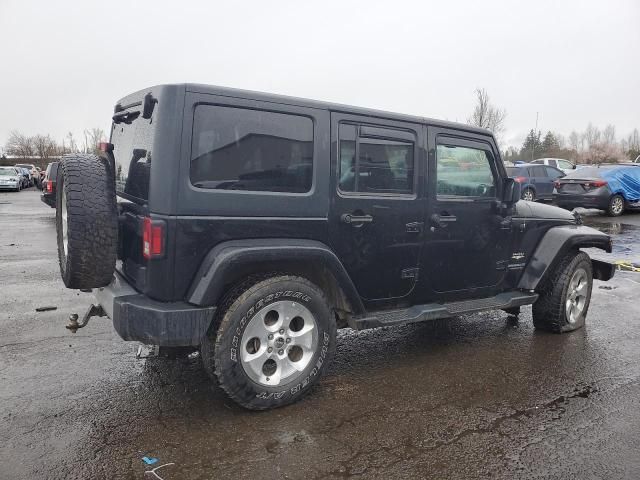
(272,341)
(565,295)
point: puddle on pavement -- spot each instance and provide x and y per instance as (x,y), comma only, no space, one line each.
(626,240)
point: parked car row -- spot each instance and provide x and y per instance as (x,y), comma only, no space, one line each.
(16,178)
(613,188)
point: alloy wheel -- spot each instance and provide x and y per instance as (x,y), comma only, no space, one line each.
(278,343)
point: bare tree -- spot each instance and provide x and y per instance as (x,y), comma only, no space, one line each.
(44,146)
(591,136)
(609,135)
(71,146)
(20,145)
(574,141)
(486,115)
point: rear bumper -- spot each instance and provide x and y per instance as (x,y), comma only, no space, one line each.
(49,199)
(136,317)
(599,200)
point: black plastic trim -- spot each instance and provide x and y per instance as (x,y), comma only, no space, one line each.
(555,243)
(229,261)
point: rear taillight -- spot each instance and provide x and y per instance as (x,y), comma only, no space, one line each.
(49,186)
(105,147)
(520,179)
(597,184)
(152,238)
(556,184)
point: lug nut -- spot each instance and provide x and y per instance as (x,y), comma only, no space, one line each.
(269,349)
(288,340)
(271,336)
(281,331)
(268,379)
(280,352)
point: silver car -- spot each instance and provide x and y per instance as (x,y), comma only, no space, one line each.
(9,179)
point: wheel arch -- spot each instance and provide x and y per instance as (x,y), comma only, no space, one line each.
(556,243)
(229,262)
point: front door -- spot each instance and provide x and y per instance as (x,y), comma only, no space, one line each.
(468,244)
(376,218)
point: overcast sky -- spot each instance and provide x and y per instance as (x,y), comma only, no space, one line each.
(65,63)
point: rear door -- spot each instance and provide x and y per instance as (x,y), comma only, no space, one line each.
(467,246)
(375,220)
(539,178)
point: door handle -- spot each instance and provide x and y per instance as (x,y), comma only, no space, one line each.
(355,220)
(441,221)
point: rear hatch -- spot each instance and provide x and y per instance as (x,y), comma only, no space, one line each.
(130,151)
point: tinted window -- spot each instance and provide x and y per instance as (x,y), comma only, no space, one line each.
(385,165)
(132,145)
(554,172)
(241,149)
(538,171)
(553,163)
(564,164)
(464,171)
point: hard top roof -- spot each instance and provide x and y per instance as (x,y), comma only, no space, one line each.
(303,102)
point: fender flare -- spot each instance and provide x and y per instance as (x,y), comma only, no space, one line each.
(230,261)
(557,241)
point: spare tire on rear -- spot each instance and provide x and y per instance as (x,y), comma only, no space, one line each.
(86,221)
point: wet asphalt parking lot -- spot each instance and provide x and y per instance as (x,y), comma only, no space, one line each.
(480,396)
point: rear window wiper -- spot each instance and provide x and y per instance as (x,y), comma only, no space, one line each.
(123,114)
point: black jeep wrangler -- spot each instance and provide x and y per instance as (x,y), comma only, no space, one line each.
(252,226)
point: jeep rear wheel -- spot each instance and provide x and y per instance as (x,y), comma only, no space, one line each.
(86,221)
(271,342)
(565,295)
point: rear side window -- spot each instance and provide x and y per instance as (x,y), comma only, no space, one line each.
(538,171)
(554,172)
(553,163)
(385,160)
(255,150)
(132,144)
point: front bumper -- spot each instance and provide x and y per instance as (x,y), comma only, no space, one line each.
(136,317)
(9,186)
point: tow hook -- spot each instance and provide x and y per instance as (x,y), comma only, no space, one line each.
(94,311)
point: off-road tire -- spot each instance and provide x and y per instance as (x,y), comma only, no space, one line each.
(549,311)
(86,186)
(614,209)
(221,348)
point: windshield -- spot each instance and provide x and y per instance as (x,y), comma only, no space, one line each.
(7,172)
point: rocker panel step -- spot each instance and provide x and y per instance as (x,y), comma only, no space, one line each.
(432,311)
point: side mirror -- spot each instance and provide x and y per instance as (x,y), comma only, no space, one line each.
(511,191)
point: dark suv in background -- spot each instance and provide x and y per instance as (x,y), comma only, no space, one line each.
(537,181)
(251,226)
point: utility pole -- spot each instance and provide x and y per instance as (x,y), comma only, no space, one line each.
(535,132)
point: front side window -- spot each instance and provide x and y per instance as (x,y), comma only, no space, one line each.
(255,150)
(464,172)
(384,164)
